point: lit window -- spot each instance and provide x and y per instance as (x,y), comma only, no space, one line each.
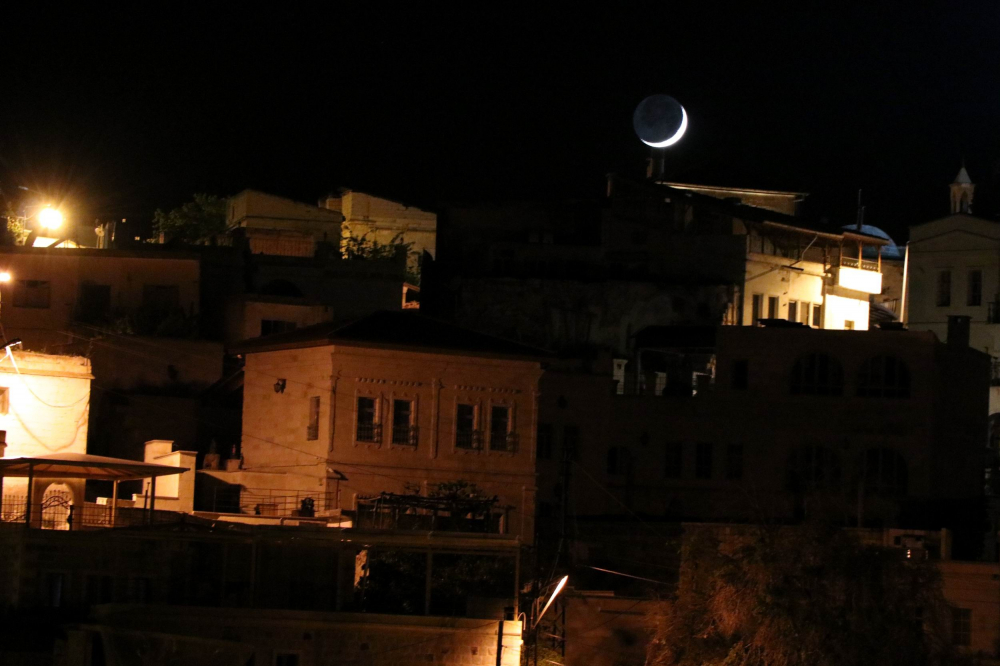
(817,374)
(884,377)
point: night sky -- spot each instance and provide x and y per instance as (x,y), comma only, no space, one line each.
(120,114)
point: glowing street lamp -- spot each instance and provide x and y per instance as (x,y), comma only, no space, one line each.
(50,218)
(4,276)
(555,593)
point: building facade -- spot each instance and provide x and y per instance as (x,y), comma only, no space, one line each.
(395,403)
(274,225)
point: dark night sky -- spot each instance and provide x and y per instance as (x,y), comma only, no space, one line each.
(123,114)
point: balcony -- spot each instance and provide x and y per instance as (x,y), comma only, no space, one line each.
(503,441)
(405,435)
(859,274)
(470,440)
(369,432)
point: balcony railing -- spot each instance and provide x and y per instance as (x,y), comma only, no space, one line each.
(405,435)
(369,432)
(863,264)
(503,441)
(65,516)
(388,511)
(273,503)
(469,439)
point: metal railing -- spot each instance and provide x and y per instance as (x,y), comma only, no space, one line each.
(503,441)
(273,503)
(414,512)
(863,264)
(469,439)
(405,435)
(369,432)
(58,513)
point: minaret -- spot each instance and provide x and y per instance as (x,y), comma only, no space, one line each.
(962,191)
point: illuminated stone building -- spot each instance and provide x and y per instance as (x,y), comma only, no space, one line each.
(394,402)
(274,225)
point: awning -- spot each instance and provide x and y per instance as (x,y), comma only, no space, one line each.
(83,466)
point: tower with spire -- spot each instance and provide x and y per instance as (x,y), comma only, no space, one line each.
(962,191)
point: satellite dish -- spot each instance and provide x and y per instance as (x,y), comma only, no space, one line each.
(660,121)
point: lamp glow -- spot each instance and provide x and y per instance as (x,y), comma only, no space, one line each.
(677,135)
(50,218)
(4,276)
(555,593)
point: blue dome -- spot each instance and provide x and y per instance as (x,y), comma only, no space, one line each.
(890,251)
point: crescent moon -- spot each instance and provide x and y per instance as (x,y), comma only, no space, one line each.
(677,135)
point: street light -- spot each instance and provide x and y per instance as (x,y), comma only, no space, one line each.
(4,276)
(50,218)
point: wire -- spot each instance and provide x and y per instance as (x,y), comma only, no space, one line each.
(76,402)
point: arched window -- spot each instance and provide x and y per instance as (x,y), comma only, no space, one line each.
(619,461)
(884,377)
(817,374)
(813,468)
(884,472)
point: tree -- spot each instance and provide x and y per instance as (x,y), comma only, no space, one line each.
(362,248)
(796,597)
(194,222)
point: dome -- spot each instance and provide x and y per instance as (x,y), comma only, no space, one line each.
(890,251)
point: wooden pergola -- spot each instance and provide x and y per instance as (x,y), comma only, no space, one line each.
(82,466)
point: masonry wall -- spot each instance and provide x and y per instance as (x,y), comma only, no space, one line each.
(276,424)
(68,269)
(327,638)
(48,407)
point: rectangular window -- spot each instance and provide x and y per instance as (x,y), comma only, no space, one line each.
(571,442)
(772,307)
(312,431)
(466,434)
(55,589)
(368,426)
(793,311)
(757,312)
(544,441)
(674,467)
(161,299)
(961,627)
(703,461)
(944,289)
(274,326)
(975,295)
(741,374)
(404,430)
(806,311)
(734,462)
(501,437)
(32,294)
(818,316)
(97,589)
(94,305)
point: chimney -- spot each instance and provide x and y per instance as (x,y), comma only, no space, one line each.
(958,330)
